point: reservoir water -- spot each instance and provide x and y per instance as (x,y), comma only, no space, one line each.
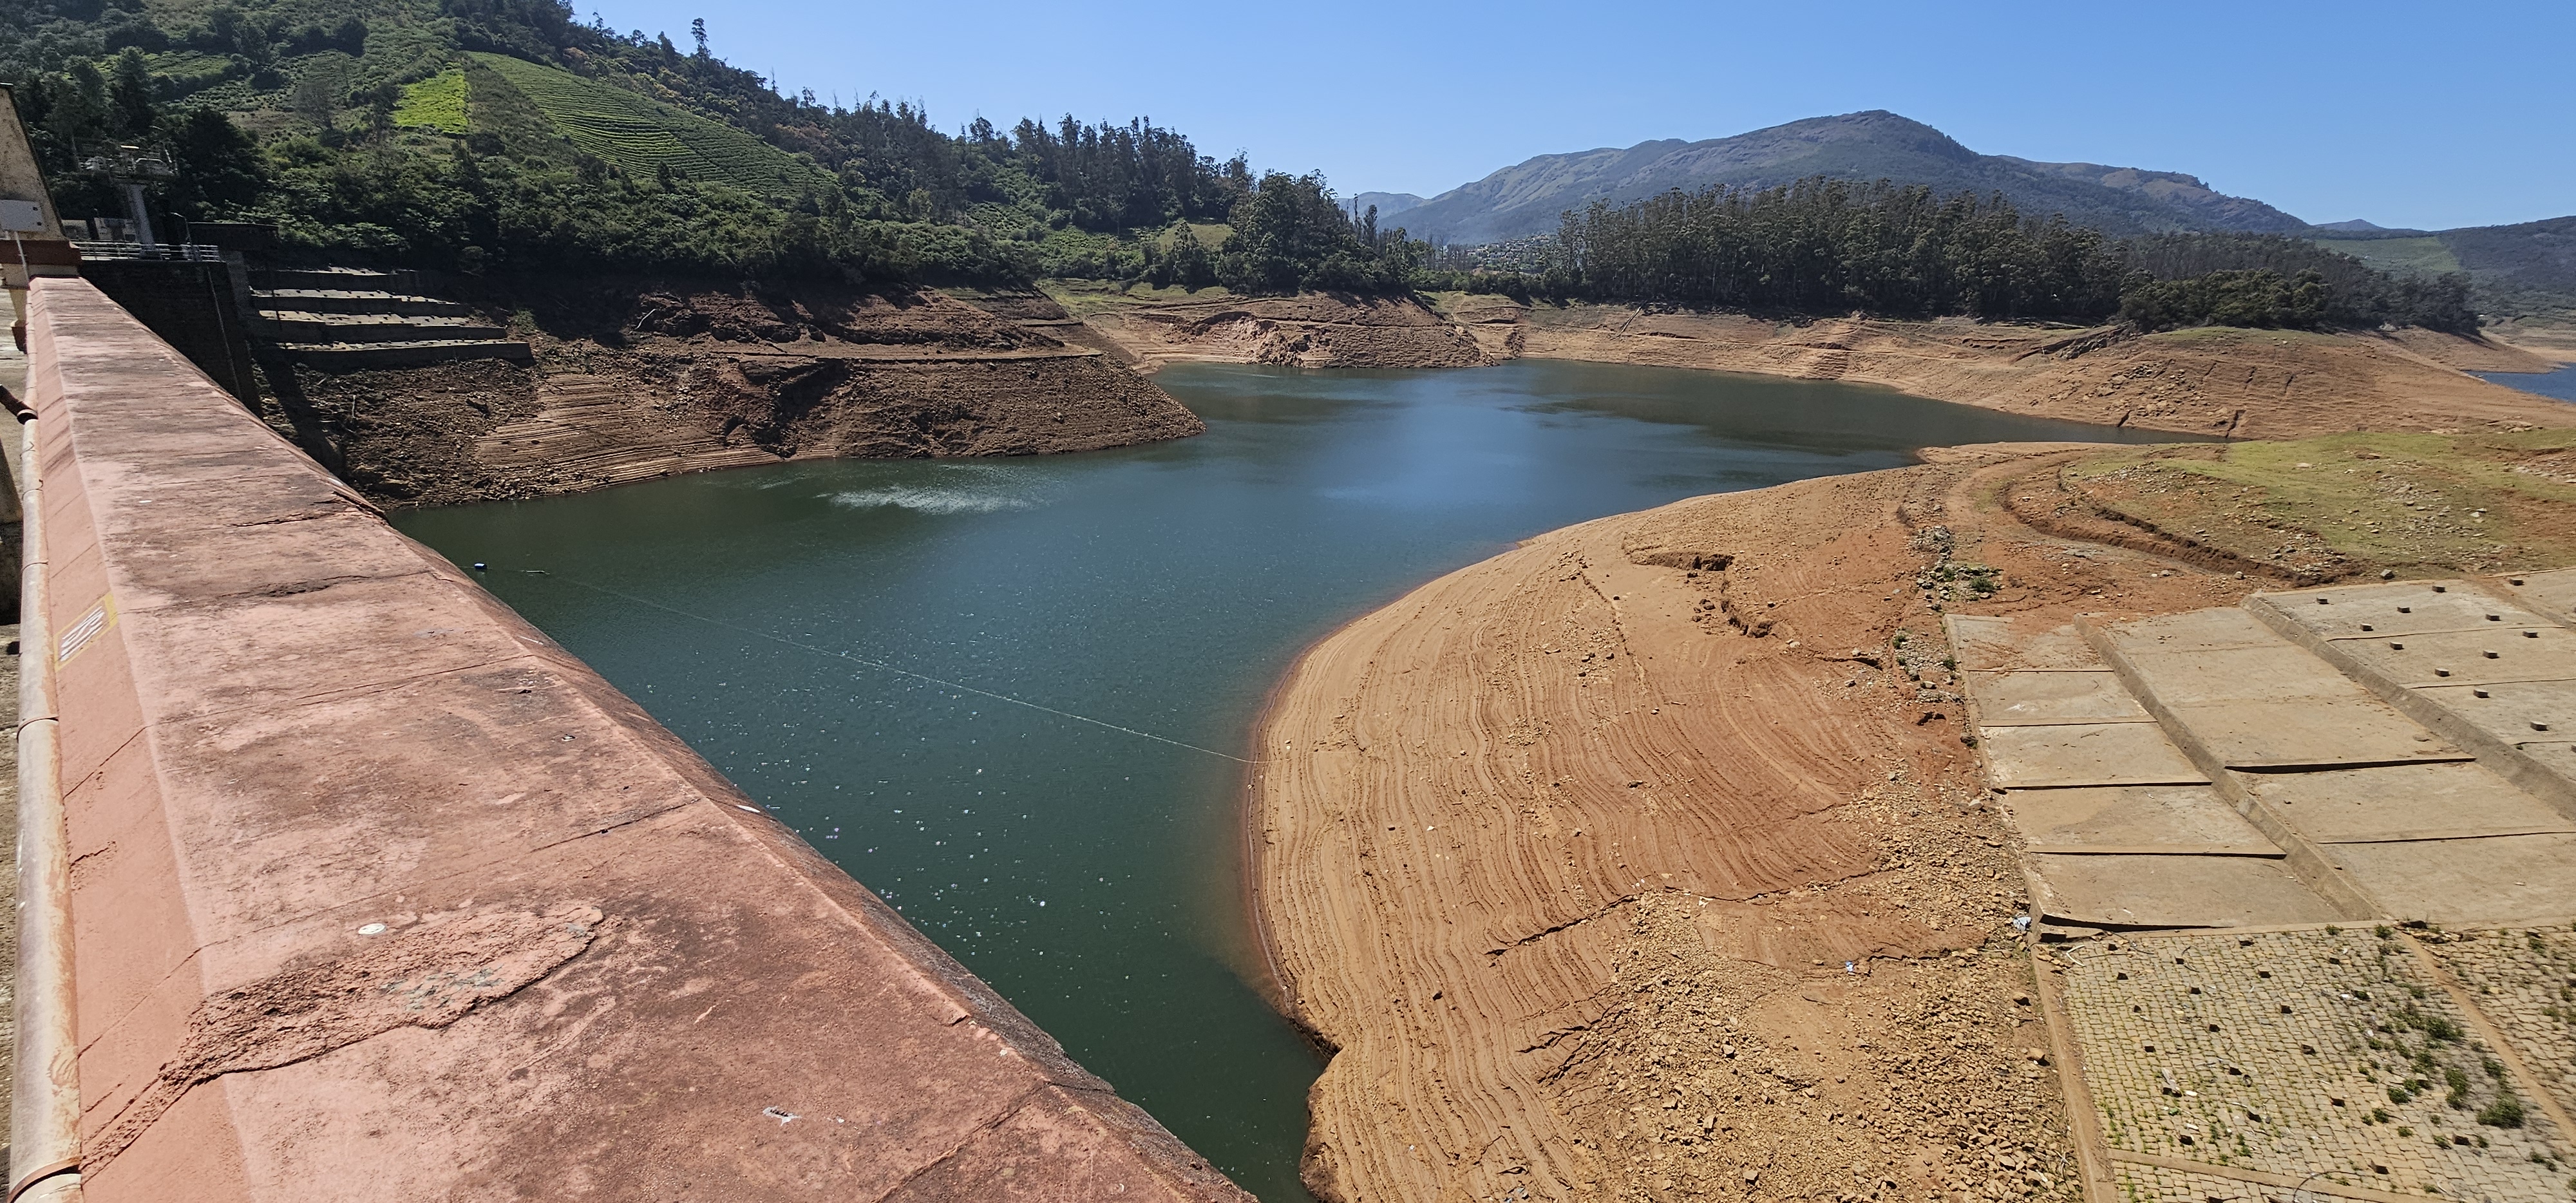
(2560,383)
(1086,871)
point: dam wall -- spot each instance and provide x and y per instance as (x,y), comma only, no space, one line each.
(375,892)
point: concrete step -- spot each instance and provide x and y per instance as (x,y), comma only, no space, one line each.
(2467,659)
(298,326)
(355,300)
(2305,710)
(345,357)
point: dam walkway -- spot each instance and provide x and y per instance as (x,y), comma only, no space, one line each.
(341,881)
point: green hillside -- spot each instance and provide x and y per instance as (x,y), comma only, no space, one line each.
(2425,255)
(645,138)
(513,136)
(2524,273)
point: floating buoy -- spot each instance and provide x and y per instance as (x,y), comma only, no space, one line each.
(478,566)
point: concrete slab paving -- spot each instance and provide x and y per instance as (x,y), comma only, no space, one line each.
(2173,891)
(1992,644)
(2525,653)
(2195,631)
(2293,1057)
(2414,801)
(2407,608)
(2086,754)
(2356,730)
(2512,711)
(2552,593)
(2132,817)
(2492,879)
(2041,698)
(2269,672)
(2555,756)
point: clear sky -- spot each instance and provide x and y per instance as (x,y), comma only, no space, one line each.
(2419,115)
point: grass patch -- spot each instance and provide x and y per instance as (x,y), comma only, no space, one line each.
(2341,504)
(1082,298)
(435,103)
(2401,256)
(2237,335)
(643,136)
(1210,236)
(1452,301)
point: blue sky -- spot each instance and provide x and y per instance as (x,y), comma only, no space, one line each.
(2409,115)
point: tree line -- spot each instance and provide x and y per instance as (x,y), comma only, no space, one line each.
(1823,246)
(1290,234)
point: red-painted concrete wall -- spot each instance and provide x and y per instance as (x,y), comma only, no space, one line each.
(379,894)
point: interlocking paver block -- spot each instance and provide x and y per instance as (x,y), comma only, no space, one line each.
(2525,982)
(2292,1053)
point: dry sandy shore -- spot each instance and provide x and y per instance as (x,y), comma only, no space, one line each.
(1632,864)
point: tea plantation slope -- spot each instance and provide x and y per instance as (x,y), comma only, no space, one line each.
(641,136)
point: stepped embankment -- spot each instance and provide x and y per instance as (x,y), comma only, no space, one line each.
(634,380)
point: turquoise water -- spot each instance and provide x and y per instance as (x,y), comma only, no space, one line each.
(1087,872)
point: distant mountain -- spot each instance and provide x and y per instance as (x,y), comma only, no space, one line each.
(1388,203)
(2355,226)
(1526,199)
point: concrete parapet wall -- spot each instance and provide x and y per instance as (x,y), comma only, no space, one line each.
(377,893)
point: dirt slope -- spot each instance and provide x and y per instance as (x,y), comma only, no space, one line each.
(635,382)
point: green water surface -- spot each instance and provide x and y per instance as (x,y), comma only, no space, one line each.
(1089,873)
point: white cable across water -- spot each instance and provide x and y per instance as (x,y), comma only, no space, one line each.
(879,665)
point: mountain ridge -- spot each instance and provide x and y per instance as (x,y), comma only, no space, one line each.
(1526,197)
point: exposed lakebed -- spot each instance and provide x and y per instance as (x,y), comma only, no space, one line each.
(1087,871)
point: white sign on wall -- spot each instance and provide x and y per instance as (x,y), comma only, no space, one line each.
(22,215)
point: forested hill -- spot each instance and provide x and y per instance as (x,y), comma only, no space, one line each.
(505,135)
(1861,147)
